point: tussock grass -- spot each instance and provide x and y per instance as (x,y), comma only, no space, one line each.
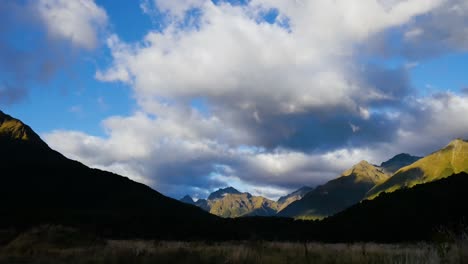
(57,245)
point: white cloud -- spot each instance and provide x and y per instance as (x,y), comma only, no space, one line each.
(178,8)
(440,31)
(78,21)
(163,153)
(233,56)
(281,97)
(413,33)
(138,147)
(163,12)
(432,122)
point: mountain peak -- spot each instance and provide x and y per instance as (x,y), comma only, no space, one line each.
(457,142)
(220,193)
(187,199)
(399,157)
(362,165)
(13,128)
(364,171)
(398,161)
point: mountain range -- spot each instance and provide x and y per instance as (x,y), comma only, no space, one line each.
(229,202)
(449,160)
(405,198)
(306,203)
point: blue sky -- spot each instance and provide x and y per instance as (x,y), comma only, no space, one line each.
(276,95)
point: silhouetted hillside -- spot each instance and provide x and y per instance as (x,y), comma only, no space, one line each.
(187,199)
(39,185)
(406,214)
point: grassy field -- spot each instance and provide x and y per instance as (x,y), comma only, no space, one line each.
(68,246)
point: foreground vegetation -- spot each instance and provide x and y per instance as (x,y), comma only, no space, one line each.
(62,245)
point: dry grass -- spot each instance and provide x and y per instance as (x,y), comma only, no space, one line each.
(51,249)
(237,252)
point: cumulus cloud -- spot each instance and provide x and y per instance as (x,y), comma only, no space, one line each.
(178,8)
(288,101)
(442,30)
(432,121)
(38,39)
(163,154)
(259,75)
(76,21)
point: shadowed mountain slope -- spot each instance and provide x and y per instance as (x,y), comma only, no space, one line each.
(297,195)
(187,199)
(399,161)
(412,214)
(39,185)
(337,194)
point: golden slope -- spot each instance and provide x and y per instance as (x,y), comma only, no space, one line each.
(440,164)
(236,205)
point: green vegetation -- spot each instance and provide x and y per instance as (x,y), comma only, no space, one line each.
(450,160)
(50,245)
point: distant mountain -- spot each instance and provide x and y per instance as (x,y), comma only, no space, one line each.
(187,199)
(338,194)
(399,161)
(413,214)
(39,185)
(243,204)
(451,159)
(230,203)
(219,194)
(284,201)
(305,202)
(202,203)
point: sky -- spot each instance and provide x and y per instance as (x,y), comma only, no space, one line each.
(189,96)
